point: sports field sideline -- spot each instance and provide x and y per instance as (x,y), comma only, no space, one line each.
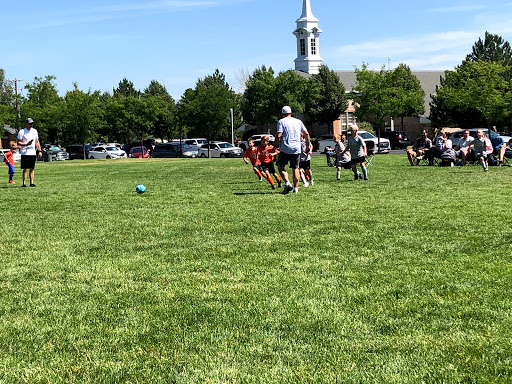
(212,277)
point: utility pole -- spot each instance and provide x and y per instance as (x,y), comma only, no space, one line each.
(18,116)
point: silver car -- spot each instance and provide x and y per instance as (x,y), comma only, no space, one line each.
(220,149)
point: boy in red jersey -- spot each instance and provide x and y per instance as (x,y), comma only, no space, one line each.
(252,156)
(9,161)
(266,153)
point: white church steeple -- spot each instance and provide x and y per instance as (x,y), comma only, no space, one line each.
(308,49)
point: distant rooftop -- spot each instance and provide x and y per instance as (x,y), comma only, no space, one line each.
(428,80)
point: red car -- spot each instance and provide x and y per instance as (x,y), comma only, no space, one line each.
(136,152)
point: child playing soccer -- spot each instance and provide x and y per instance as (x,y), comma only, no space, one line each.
(266,153)
(9,161)
(342,155)
(305,164)
(252,156)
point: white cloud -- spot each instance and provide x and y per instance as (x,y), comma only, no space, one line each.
(116,11)
(459,8)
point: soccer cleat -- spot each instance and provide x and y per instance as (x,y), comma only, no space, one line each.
(12,182)
(260,180)
(360,176)
(287,189)
(356,176)
(306,184)
(279,184)
(486,169)
(32,185)
(337,179)
(273,187)
(366,178)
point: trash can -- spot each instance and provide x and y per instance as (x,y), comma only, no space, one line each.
(47,156)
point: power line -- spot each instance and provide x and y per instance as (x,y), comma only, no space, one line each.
(18,115)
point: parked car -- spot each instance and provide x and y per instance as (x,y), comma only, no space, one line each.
(257,140)
(138,152)
(76,151)
(104,152)
(17,155)
(457,135)
(397,139)
(220,149)
(195,143)
(56,152)
(172,149)
(328,141)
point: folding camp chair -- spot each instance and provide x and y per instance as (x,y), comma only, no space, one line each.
(370,152)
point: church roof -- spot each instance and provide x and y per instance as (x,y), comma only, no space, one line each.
(307,15)
(428,81)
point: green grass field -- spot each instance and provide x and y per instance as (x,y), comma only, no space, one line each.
(212,277)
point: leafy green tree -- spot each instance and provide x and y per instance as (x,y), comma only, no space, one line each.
(166,115)
(447,111)
(406,96)
(294,90)
(492,48)
(131,118)
(371,94)
(7,102)
(329,98)
(206,108)
(258,105)
(125,89)
(81,115)
(478,86)
(44,105)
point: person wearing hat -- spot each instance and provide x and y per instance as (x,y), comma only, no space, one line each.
(288,141)
(30,148)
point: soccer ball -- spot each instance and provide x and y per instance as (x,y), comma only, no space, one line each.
(140,189)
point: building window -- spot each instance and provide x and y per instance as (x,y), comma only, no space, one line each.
(313,46)
(344,122)
(302,47)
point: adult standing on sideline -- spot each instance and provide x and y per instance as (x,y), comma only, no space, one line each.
(288,141)
(358,153)
(30,148)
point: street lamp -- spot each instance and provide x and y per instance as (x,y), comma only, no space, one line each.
(232,128)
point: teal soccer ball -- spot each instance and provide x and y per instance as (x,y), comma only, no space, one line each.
(140,189)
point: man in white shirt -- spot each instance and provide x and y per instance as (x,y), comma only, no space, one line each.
(28,141)
(464,149)
(288,141)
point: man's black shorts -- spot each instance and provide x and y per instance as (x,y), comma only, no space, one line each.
(358,160)
(28,161)
(268,167)
(305,164)
(284,158)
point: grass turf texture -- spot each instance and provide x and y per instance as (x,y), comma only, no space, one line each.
(213,277)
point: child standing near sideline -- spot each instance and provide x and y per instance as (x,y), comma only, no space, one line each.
(9,161)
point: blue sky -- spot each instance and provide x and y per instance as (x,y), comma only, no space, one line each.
(96,43)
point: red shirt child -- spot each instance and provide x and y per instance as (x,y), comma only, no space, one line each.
(9,161)
(266,153)
(252,155)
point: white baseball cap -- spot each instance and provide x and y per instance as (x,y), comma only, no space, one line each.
(30,121)
(286,110)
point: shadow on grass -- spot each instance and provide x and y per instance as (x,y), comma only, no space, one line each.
(252,193)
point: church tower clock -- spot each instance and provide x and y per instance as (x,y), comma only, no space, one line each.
(308,49)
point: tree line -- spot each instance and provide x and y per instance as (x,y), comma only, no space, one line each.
(478,91)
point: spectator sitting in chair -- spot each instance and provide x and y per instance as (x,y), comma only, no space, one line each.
(464,150)
(499,146)
(420,148)
(443,143)
(483,148)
